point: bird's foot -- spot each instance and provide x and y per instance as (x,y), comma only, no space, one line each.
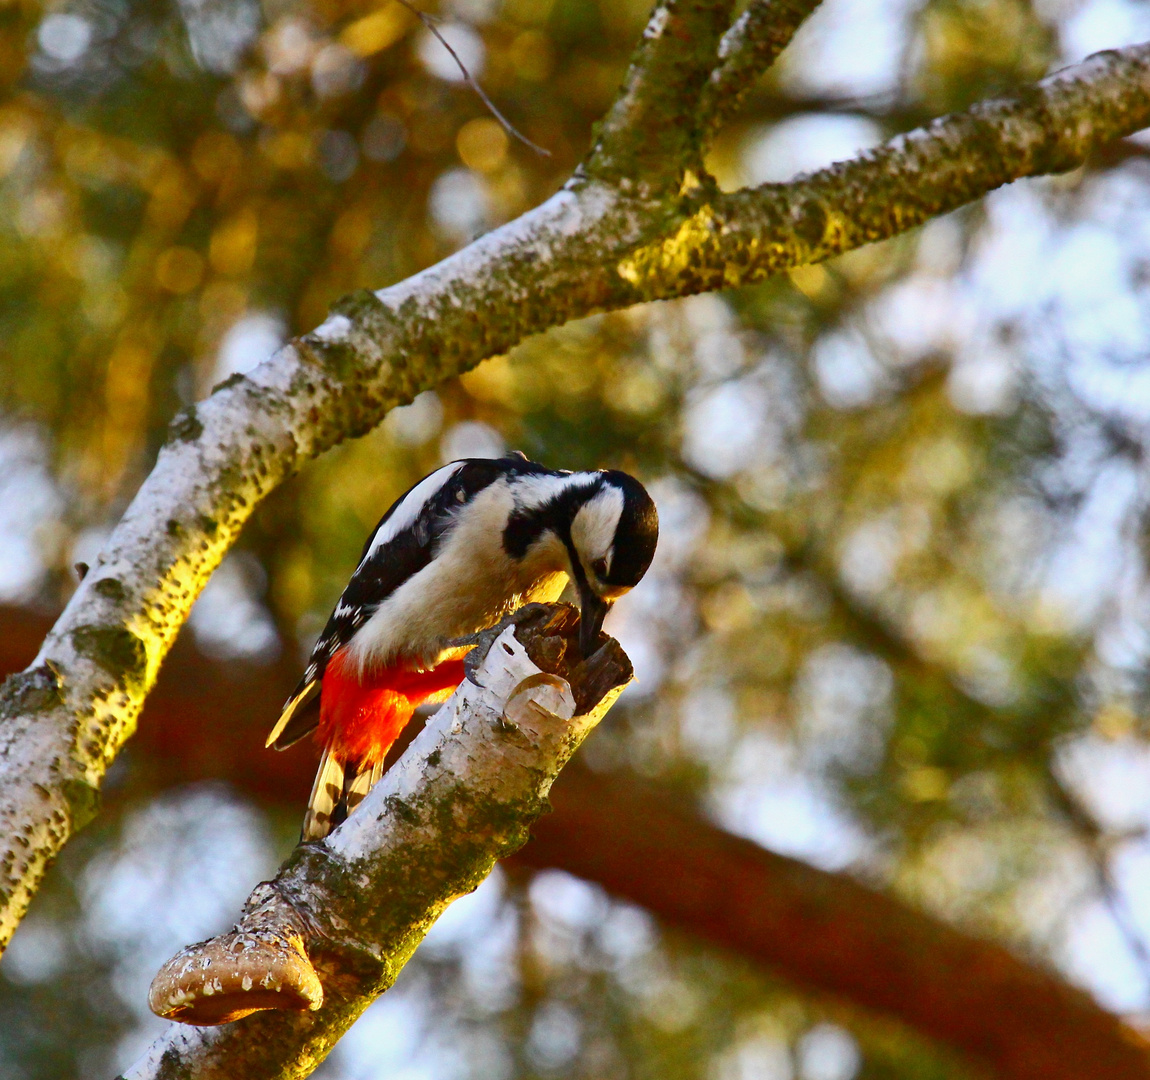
(482,641)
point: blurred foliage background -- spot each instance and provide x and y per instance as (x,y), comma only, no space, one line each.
(899,621)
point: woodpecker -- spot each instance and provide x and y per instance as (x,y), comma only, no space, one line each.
(467,545)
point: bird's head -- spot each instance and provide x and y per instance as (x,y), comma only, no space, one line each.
(614,529)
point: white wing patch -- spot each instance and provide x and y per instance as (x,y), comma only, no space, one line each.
(413,502)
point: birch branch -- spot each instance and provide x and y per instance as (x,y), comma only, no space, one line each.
(601,243)
(319,943)
(753,233)
(819,929)
(652,137)
(642,843)
(746,51)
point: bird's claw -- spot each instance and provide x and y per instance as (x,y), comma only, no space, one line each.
(482,641)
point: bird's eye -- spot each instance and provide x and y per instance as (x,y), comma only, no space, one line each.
(600,568)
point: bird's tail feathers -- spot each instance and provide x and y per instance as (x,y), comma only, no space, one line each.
(300,715)
(338,789)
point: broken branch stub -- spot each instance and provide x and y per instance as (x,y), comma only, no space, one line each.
(354,906)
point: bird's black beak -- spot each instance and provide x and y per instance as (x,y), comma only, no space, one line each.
(592,611)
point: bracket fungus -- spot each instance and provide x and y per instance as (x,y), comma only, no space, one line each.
(217,981)
(481,768)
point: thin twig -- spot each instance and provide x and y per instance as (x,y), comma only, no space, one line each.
(429,21)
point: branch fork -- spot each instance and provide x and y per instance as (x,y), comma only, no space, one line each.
(638,221)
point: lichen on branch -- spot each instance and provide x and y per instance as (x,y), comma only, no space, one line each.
(628,227)
(747,50)
(332,931)
(744,236)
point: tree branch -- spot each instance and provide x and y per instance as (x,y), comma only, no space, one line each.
(319,943)
(746,51)
(832,934)
(652,136)
(598,244)
(602,831)
(748,235)
(430,23)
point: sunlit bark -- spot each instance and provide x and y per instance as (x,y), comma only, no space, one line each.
(719,888)
(639,220)
(319,943)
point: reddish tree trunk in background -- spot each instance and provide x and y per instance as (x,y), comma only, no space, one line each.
(207,719)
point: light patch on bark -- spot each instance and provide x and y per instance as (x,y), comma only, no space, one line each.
(625,229)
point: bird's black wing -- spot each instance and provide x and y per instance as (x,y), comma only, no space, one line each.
(408,536)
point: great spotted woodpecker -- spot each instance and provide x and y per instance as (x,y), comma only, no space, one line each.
(464,547)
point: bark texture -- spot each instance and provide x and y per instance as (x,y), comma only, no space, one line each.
(744,236)
(748,49)
(819,929)
(627,228)
(355,905)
